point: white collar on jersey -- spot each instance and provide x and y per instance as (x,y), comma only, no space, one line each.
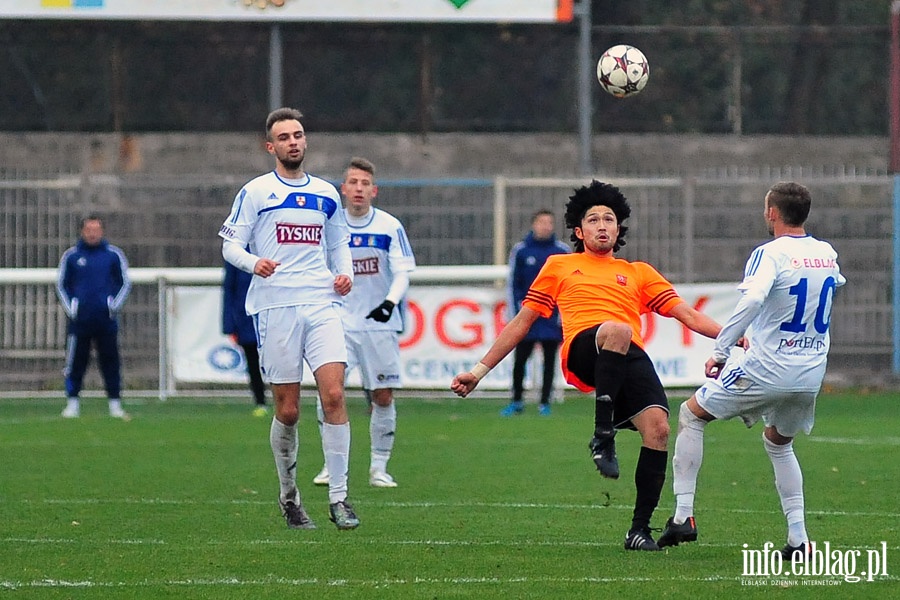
(360,221)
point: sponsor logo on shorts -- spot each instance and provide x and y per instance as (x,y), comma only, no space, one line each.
(291,233)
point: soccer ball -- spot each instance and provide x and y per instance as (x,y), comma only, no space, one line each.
(623,71)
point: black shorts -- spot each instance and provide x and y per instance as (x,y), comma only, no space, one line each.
(640,389)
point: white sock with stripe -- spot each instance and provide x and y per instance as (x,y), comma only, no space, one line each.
(336,447)
(285,442)
(686,462)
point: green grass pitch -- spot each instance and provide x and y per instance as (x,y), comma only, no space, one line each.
(181,503)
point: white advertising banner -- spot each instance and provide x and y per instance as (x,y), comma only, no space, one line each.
(448,329)
(510,11)
(198,350)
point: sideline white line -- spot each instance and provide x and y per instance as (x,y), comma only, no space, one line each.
(80,542)
(498,505)
(367,583)
(874,441)
(294,542)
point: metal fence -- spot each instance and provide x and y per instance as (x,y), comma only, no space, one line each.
(693,229)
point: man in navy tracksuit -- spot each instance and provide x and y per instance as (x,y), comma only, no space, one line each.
(92,286)
(237,324)
(525,262)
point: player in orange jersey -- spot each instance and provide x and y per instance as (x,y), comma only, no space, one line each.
(600,300)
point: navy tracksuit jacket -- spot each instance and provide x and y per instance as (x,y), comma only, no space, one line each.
(525,261)
(93,285)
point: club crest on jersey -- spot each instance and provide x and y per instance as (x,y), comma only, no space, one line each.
(364,240)
(292,233)
(621,280)
(300,200)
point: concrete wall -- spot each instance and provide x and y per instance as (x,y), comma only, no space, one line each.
(434,156)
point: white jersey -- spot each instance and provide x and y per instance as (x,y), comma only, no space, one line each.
(380,248)
(298,223)
(787,294)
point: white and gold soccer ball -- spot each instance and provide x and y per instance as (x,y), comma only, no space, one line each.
(623,71)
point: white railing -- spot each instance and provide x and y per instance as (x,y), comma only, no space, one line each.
(164,279)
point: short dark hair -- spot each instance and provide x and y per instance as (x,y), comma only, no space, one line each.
(541,213)
(91,217)
(281,114)
(363,164)
(792,201)
(596,194)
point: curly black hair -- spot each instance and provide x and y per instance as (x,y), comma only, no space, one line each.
(596,194)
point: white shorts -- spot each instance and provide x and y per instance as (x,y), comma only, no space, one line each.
(734,394)
(377,354)
(290,335)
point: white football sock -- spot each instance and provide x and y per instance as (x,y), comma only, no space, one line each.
(285,442)
(381,430)
(320,413)
(336,447)
(73,404)
(320,417)
(686,462)
(789,483)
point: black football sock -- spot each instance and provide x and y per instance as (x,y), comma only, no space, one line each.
(649,477)
(609,373)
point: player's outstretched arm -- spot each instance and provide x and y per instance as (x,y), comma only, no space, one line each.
(696,320)
(514,332)
(464,383)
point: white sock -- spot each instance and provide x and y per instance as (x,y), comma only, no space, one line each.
(789,483)
(115,404)
(686,462)
(336,447)
(381,430)
(72,403)
(285,442)
(320,413)
(320,416)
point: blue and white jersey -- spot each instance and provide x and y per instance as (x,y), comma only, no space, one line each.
(380,248)
(298,223)
(787,295)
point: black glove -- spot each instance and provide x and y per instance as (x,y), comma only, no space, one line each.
(382,312)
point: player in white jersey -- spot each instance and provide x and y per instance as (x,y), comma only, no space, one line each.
(382,260)
(785,308)
(287,228)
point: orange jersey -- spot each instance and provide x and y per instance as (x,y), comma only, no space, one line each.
(590,290)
